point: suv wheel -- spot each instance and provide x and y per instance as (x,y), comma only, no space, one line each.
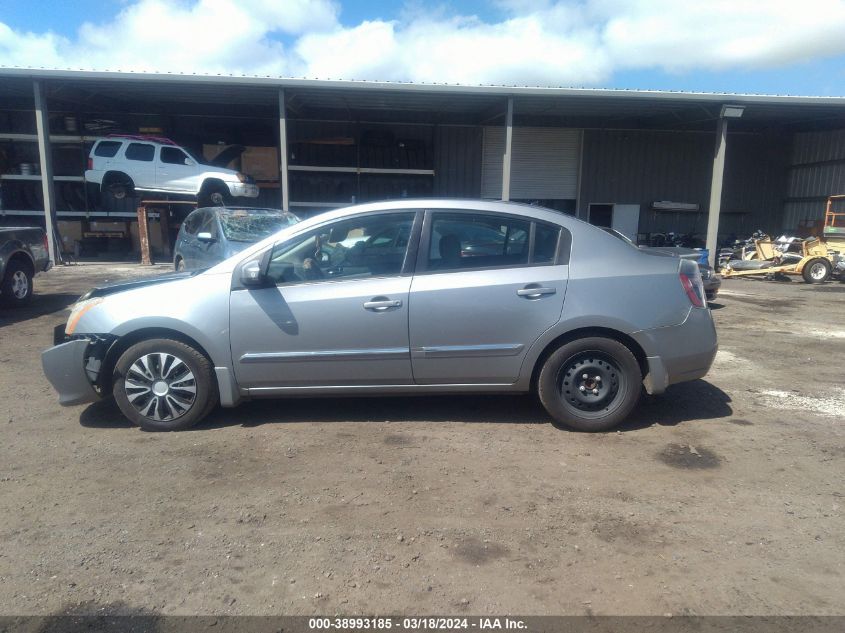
(164,385)
(16,287)
(590,384)
(215,195)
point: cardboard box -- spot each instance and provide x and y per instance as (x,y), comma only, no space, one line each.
(262,163)
(108,226)
(210,152)
(71,232)
(156,238)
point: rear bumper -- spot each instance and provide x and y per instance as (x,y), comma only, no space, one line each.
(64,367)
(679,353)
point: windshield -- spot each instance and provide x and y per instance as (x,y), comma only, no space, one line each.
(252,225)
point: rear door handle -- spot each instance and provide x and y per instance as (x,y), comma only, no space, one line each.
(380,305)
(535,292)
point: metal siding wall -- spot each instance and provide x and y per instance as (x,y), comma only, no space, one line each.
(492,161)
(641,167)
(544,163)
(457,161)
(817,170)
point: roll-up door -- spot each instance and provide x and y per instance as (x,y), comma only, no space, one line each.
(544,165)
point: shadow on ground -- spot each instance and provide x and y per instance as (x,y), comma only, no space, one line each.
(39,306)
(697,400)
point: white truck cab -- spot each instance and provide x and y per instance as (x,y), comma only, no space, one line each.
(119,165)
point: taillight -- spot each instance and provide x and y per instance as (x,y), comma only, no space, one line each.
(693,288)
(90,163)
(47,245)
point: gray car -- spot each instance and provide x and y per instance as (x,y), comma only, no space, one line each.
(391,298)
(212,234)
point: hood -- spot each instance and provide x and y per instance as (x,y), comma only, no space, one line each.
(227,155)
(131,284)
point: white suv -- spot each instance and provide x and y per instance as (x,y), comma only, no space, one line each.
(120,165)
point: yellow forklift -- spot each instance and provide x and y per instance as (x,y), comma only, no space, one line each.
(820,259)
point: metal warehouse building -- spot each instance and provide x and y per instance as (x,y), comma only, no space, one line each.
(643,162)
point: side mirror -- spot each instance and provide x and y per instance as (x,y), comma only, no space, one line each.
(251,273)
(205,236)
(254,271)
(189,162)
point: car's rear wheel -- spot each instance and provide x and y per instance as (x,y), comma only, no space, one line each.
(16,286)
(590,384)
(164,385)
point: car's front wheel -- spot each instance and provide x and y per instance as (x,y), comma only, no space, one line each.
(590,384)
(164,385)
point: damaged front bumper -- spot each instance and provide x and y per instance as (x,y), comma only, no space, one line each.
(72,367)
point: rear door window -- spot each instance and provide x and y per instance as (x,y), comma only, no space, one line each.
(140,151)
(466,241)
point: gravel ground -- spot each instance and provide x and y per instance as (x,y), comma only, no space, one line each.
(723,496)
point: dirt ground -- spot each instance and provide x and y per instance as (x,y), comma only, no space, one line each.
(723,496)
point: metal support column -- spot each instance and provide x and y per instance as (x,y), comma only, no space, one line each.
(283,151)
(716,190)
(506,159)
(42,125)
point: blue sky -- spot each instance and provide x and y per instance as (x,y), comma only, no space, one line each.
(775,47)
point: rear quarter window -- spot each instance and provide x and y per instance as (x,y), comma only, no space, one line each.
(107,149)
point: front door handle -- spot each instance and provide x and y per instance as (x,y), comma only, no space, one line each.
(535,292)
(380,304)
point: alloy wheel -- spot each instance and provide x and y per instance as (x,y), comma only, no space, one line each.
(20,284)
(160,386)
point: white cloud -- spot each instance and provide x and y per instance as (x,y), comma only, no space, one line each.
(536,42)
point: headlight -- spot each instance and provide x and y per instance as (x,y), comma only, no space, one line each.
(80,308)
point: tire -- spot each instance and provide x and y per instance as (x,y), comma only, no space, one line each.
(619,384)
(16,287)
(166,405)
(180,265)
(214,195)
(117,191)
(817,271)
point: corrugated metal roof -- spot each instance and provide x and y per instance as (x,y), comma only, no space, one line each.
(502,90)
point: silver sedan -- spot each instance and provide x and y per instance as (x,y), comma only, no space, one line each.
(407,297)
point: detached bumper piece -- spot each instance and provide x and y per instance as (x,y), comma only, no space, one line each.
(64,366)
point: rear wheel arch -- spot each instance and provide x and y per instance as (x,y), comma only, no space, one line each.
(21,258)
(112,177)
(587,332)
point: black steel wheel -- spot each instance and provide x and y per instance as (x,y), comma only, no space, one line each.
(590,384)
(164,385)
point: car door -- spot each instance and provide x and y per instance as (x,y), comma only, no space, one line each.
(175,170)
(334,312)
(189,243)
(140,164)
(487,286)
(209,241)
